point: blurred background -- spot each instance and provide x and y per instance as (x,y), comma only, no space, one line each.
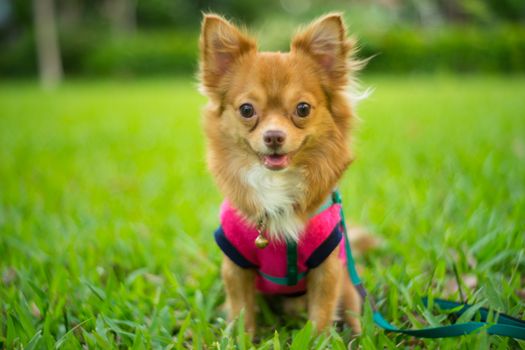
(127,38)
(107,209)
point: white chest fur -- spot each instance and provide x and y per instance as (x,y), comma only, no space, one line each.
(276,192)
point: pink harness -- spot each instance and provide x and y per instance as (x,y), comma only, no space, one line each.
(281,266)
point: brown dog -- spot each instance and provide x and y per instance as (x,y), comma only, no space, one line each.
(276,125)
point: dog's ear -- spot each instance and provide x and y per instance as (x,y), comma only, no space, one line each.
(221,45)
(325,40)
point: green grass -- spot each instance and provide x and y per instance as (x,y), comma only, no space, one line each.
(107,213)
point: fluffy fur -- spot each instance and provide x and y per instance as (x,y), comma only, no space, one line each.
(277,194)
(316,72)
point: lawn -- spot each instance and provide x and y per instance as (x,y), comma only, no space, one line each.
(107,213)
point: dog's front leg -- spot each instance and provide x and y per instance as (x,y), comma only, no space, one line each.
(323,290)
(240,292)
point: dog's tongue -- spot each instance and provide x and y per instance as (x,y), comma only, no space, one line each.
(276,161)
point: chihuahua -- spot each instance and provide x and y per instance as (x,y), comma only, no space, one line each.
(277,129)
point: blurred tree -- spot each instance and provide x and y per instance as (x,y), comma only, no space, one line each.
(48,49)
(70,12)
(121,15)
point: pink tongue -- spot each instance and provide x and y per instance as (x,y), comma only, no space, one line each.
(276,161)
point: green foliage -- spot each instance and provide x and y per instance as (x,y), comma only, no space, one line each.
(161,35)
(107,213)
(144,54)
(453,49)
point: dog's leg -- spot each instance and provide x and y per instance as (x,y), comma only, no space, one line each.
(323,290)
(240,292)
(351,302)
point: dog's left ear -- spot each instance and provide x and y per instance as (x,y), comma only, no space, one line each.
(326,42)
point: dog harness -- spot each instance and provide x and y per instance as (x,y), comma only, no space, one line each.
(282,265)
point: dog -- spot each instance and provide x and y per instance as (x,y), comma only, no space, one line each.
(277,127)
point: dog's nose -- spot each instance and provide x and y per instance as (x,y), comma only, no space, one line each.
(274,138)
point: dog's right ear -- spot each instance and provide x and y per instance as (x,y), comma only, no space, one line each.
(221,45)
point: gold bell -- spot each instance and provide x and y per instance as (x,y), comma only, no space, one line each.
(261,242)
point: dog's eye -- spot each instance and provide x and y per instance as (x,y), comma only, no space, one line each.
(246,110)
(303,109)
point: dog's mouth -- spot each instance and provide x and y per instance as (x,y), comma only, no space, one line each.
(276,161)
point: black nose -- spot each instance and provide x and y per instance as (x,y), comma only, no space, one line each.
(274,138)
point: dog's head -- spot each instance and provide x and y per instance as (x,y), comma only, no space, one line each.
(279,110)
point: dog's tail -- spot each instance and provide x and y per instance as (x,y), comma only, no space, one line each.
(362,240)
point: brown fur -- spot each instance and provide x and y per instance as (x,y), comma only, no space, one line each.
(233,72)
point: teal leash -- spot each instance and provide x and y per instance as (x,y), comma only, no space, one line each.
(504,325)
